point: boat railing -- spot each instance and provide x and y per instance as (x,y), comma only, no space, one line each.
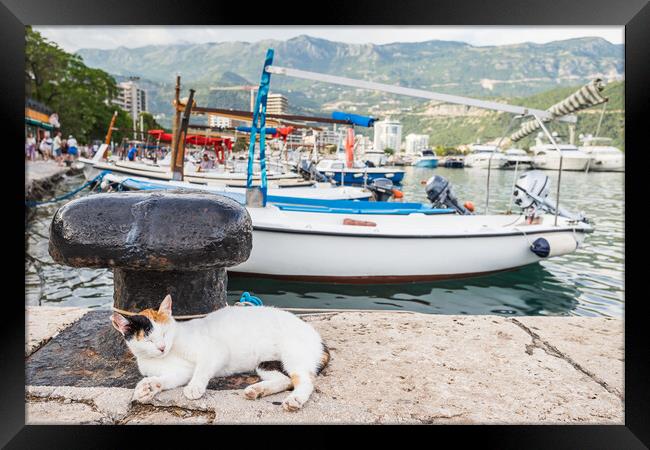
(507,130)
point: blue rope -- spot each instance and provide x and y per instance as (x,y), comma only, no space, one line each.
(97,179)
(246,298)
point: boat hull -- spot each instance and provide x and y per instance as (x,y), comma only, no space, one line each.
(428,163)
(357,177)
(605,164)
(312,246)
(547,162)
(361,260)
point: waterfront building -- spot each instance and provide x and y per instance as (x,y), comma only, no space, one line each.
(131,98)
(277,104)
(40,120)
(219,122)
(388,134)
(415,143)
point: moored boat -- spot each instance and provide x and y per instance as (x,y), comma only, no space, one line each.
(427,158)
(481,156)
(547,157)
(335,170)
(604,156)
(516,157)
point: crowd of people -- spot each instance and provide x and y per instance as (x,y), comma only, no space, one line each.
(62,151)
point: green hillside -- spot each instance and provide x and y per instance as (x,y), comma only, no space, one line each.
(443,66)
(454,131)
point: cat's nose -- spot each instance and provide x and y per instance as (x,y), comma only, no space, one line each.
(161,348)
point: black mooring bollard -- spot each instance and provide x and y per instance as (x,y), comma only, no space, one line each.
(157,243)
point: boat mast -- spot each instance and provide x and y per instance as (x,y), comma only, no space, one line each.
(177,119)
(178,155)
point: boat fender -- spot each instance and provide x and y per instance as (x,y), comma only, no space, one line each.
(547,247)
(363,223)
(397,193)
(469,206)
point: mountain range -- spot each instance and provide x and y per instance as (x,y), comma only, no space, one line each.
(497,72)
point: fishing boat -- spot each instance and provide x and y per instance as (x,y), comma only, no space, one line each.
(336,170)
(482,156)
(322,191)
(604,156)
(547,157)
(345,240)
(452,162)
(516,157)
(427,158)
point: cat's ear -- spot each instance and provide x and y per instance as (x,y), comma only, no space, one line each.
(166,306)
(120,323)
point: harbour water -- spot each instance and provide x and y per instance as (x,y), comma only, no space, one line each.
(589,282)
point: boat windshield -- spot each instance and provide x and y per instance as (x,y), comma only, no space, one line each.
(428,153)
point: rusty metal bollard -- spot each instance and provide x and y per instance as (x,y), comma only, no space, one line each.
(157,243)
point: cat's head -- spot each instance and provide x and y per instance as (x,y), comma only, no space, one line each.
(150,333)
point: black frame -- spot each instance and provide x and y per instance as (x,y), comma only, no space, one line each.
(633,14)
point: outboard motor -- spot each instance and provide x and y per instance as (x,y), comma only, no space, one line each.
(308,171)
(531,195)
(439,194)
(303,169)
(382,189)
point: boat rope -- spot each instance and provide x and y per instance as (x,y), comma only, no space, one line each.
(97,179)
(249,300)
(525,235)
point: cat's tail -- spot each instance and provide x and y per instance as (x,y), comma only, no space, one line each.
(324,359)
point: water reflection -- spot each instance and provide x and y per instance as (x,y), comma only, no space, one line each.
(527,291)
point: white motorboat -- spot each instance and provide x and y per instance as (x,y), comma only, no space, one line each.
(382,242)
(480,156)
(546,156)
(517,157)
(604,157)
(426,159)
(318,191)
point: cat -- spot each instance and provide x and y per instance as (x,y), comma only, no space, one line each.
(227,341)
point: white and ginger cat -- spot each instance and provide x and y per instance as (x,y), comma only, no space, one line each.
(228,341)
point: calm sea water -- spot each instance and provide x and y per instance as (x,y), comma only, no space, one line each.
(588,282)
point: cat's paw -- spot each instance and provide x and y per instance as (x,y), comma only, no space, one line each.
(292,403)
(146,389)
(253,391)
(193,392)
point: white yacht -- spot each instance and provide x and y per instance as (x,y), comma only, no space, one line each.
(546,156)
(480,154)
(604,156)
(517,157)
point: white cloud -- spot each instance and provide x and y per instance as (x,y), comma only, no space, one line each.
(72,38)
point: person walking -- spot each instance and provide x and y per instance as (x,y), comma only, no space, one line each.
(73,150)
(57,149)
(45,147)
(30,147)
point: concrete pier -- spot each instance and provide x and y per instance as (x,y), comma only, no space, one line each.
(389,368)
(41,178)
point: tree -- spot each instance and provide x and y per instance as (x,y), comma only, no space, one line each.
(389,151)
(80,95)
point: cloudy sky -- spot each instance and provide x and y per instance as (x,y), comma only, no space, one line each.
(72,38)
